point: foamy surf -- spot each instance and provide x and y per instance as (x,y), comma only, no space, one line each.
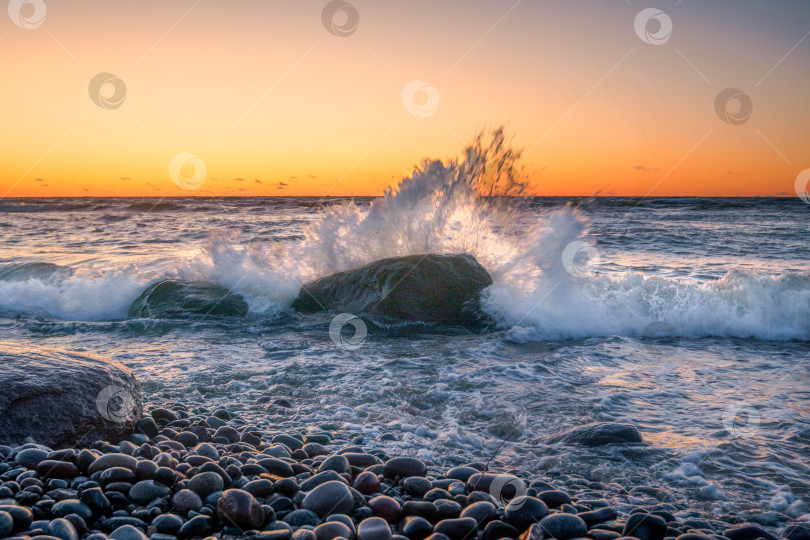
(741,304)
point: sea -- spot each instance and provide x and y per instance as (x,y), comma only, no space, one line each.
(686,317)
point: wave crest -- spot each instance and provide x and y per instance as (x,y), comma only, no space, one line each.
(742,305)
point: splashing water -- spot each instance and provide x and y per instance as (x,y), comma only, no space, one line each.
(440,208)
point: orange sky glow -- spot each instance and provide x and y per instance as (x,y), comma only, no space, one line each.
(282,98)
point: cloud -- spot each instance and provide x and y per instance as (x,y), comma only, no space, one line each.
(238,179)
(39,180)
(126,178)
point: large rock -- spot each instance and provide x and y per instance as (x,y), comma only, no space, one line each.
(441,289)
(599,434)
(64,399)
(171,299)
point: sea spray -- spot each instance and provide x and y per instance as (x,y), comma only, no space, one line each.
(466,205)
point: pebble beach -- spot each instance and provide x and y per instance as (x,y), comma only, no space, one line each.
(197,473)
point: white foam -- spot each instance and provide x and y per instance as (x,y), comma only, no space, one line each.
(77,297)
(94,295)
(741,304)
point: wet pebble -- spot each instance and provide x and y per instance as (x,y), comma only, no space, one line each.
(206,483)
(332,531)
(367,483)
(524,510)
(200,525)
(373,528)
(148,490)
(63,529)
(457,529)
(6,524)
(167,523)
(185,501)
(646,527)
(332,497)
(563,526)
(403,467)
(127,532)
(241,509)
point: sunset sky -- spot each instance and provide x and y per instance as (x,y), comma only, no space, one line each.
(273,103)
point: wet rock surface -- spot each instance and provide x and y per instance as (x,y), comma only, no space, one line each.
(600,434)
(62,398)
(443,289)
(173,299)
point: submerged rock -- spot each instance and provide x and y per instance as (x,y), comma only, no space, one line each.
(62,398)
(599,434)
(442,289)
(178,298)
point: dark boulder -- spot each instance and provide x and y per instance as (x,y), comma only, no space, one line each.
(599,435)
(171,299)
(441,289)
(65,399)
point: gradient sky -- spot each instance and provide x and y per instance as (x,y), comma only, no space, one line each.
(274,104)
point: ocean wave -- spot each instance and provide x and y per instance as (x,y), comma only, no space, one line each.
(72,296)
(742,304)
(37,205)
(543,288)
(153,206)
(534,307)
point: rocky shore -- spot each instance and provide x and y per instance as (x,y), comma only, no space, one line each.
(194,473)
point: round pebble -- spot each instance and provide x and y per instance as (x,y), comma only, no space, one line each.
(127,532)
(206,483)
(404,467)
(329,498)
(373,528)
(240,508)
(563,526)
(523,511)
